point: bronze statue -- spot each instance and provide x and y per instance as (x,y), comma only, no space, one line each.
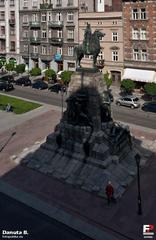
(90,46)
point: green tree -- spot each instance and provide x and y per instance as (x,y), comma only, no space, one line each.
(50,73)
(66,77)
(107,79)
(35,71)
(128,85)
(10,66)
(20,68)
(150,89)
(1,65)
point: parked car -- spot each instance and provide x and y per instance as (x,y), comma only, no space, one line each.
(40,85)
(5,85)
(149,107)
(57,87)
(23,81)
(7,77)
(129,101)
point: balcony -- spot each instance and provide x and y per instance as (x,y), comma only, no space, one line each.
(34,56)
(70,24)
(35,25)
(25,24)
(56,41)
(45,57)
(45,6)
(12,21)
(35,40)
(56,24)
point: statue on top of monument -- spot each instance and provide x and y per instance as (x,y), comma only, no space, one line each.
(90,46)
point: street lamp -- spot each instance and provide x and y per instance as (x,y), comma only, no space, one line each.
(137,159)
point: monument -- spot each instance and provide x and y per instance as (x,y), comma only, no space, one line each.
(87,148)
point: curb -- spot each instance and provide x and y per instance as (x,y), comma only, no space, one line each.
(55,213)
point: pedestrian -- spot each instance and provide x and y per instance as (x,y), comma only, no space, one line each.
(109,192)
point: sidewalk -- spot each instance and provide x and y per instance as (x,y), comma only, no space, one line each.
(78,207)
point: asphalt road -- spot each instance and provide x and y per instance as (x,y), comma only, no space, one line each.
(15,216)
(120,113)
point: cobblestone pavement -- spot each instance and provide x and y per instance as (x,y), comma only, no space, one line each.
(120,218)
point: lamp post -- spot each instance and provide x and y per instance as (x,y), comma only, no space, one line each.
(8,140)
(137,158)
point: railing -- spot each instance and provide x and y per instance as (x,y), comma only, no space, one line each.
(35,40)
(12,21)
(46,6)
(35,24)
(2,36)
(56,41)
(56,24)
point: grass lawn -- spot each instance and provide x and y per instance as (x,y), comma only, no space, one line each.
(19,106)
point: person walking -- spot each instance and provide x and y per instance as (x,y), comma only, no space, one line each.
(109,192)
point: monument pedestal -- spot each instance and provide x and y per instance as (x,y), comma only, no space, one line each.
(88,148)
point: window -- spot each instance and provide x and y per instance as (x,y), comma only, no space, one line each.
(136,54)
(25,48)
(34,17)
(1,3)
(70,34)
(59,51)
(58,17)
(25,4)
(2,30)
(143,34)
(114,36)
(25,34)
(35,49)
(12,14)
(49,16)
(25,19)
(35,34)
(70,2)
(12,31)
(143,54)
(58,2)
(44,34)
(135,14)
(2,15)
(59,34)
(44,17)
(70,17)
(12,46)
(12,2)
(70,51)
(115,56)
(34,3)
(100,56)
(135,33)
(142,13)
(44,50)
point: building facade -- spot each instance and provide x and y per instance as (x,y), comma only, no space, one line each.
(107,18)
(139,28)
(9,30)
(48,33)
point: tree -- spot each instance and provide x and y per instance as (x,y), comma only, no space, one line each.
(20,68)
(35,71)
(150,89)
(128,85)
(1,65)
(50,73)
(107,80)
(10,66)
(66,77)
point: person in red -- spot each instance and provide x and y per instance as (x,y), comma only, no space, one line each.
(109,192)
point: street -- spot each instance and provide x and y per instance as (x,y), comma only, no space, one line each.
(119,113)
(15,216)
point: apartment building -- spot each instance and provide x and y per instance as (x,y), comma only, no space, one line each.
(48,33)
(9,30)
(106,16)
(139,27)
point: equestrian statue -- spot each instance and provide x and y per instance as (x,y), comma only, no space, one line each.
(90,46)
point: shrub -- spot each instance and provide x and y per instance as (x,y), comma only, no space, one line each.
(10,66)
(128,85)
(50,73)
(150,89)
(35,71)
(66,77)
(107,80)
(20,68)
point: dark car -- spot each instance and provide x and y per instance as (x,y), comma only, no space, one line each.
(8,78)
(5,85)
(23,81)
(57,87)
(149,107)
(40,85)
